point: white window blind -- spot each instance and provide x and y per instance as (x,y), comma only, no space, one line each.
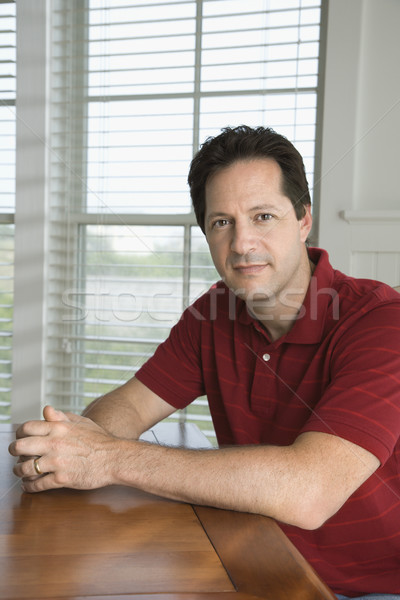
(136,86)
(7,196)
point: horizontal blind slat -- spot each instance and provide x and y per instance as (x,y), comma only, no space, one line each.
(130,80)
(7,196)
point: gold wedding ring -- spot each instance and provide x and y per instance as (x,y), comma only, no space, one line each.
(36,465)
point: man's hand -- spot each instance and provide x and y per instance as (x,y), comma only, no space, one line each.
(71,451)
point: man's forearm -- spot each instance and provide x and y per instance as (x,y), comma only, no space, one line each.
(232,478)
(116,414)
(129,410)
(302,484)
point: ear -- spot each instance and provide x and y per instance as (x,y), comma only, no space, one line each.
(305,224)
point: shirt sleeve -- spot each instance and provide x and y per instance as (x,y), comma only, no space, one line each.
(174,371)
(362,401)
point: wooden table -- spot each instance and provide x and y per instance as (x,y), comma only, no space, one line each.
(119,543)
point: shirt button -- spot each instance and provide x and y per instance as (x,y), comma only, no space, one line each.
(266,357)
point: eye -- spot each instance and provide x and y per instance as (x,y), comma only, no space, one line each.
(220,223)
(264,217)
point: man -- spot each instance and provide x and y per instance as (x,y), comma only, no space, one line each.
(301,367)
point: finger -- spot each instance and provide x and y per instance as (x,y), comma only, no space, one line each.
(47,482)
(26,469)
(33,478)
(23,458)
(33,428)
(52,414)
(30,446)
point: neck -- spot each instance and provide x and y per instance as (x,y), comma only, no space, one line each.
(278,312)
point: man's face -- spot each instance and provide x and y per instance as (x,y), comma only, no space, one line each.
(255,239)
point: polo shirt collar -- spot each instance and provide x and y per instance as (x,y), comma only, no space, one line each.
(309,327)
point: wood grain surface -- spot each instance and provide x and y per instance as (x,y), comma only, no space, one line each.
(119,543)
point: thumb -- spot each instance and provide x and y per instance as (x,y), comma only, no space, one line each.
(51,414)
(74,418)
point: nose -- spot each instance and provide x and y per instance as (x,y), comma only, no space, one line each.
(243,239)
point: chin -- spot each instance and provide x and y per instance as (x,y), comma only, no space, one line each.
(254,294)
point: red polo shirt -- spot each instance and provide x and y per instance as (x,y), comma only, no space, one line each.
(336,371)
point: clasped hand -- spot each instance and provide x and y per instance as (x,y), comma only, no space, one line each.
(70,451)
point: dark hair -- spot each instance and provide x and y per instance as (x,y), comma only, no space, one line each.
(245,143)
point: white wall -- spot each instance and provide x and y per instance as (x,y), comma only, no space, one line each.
(361,139)
(30,214)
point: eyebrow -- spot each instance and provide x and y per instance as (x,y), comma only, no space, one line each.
(213,215)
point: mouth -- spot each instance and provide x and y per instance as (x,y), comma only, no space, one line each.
(249,269)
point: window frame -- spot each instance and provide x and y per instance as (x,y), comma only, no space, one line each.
(32,344)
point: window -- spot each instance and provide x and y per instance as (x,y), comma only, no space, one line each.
(135,87)
(7,197)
